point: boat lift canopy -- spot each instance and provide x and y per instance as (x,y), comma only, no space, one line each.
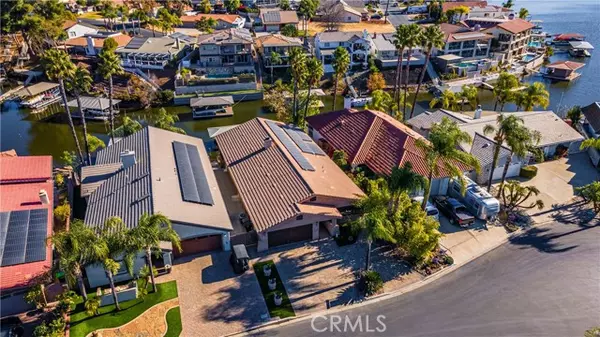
(584,45)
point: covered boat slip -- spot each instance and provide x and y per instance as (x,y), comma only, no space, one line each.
(39,95)
(94,107)
(210,107)
(580,48)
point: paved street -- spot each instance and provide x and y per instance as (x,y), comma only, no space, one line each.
(545,283)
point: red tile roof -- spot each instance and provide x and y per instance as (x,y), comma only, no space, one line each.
(25,169)
(372,138)
(516,25)
(450,5)
(121,39)
(24,196)
(566,65)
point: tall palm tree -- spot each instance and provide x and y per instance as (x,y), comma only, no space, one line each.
(341,63)
(400,41)
(432,37)
(118,242)
(77,247)
(81,82)
(109,66)
(413,38)
(507,126)
(534,95)
(522,142)
(314,72)
(447,100)
(59,67)
(383,101)
(442,153)
(404,179)
(504,89)
(297,61)
(166,121)
(150,231)
(470,94)
(275,59)
(375,220)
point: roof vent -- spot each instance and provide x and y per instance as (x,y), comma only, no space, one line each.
(128,159)
(485,146)
(44,197)
(268,142)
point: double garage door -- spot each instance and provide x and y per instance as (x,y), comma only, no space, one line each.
(290,235)
(199,245)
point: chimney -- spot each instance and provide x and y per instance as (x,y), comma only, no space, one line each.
(478,112)
(128,159)
(90,45)
(178,43)
(348,102)
(44,197)
(375,35)
(268,142)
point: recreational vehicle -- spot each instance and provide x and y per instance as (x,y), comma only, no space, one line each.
(482,204)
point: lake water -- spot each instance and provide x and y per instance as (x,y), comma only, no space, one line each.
(44,134)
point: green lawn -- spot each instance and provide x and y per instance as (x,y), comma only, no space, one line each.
(285,309)
(174,323)
(91,15)
(82,324)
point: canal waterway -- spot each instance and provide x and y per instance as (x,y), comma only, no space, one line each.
(45,134)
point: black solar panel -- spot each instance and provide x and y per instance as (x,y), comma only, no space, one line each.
(192,178)
(136,42)
(272,17)
(23,236)
(304,142)
(290,146)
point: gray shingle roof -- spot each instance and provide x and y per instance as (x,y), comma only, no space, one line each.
(339,36)
(93,176)
(89,102)
(209,101)
(483,149)
(592,115)
(425,120)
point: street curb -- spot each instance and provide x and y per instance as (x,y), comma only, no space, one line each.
(382,297)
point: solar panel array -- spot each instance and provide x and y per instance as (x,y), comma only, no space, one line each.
(23,236)
(290,145)
(304,142)
(192,178)
(136,42)
(272,16)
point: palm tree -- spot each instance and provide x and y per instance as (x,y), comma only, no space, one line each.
(404,179)
(413,38)
(275,59)
(154,22)
(341,63)
(534,95)
(150,231)
(574,114)
(504,89)
(166,121)
(314,72)
(591,142)
(59,67)
(81,82)
(375,220)
(447,100)
(115,236)
(77,247)
(523,13)
(469,94)
(442,153)
(400,41)
(184,73)
(382,101)
(522,142)
(297,61)
(109,66)
(432,37)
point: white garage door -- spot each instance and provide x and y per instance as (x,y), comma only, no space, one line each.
(513,171)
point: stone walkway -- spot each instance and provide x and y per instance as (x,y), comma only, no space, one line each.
(151,323)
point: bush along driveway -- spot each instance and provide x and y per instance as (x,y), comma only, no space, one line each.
(109,317)
(284,309)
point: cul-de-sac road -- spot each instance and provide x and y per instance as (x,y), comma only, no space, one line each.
(543,283)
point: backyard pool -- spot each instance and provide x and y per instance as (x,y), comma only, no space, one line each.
(218,76)
(528,57)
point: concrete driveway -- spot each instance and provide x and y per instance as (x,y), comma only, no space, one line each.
(214,300)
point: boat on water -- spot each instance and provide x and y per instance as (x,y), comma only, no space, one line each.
(565,38)
(580,49)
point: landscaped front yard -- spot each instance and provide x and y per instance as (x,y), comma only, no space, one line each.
(109,317)
(285,308)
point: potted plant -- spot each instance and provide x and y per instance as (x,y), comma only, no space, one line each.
(278,299)
(267,270)
(272,283)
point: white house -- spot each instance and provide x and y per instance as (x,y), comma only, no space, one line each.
(384,51)
(78,29)
(358,45)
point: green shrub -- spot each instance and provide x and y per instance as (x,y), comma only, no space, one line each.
(62,212)
(448,260)
(528,172)
(372,282)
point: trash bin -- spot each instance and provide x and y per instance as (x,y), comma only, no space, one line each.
(239,259)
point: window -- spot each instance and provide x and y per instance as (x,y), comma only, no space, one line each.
(456,188)
(349,18)
(326,44)
(454,46)
(468,44)
(72,33)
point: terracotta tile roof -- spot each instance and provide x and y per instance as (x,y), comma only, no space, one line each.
(121,39)
(18,194)
(566,65)
(454,33)
(25,169)
(374,139)
(270,16)
(450,5)
(270,182)
(229,18)
(516,25)
(277,40)
(68,24)
(592,115)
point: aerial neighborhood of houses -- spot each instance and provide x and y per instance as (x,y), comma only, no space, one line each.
(172,164)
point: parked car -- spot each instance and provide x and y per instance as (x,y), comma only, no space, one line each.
(455,211)
(245,221)
(11,327)
(431,210)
